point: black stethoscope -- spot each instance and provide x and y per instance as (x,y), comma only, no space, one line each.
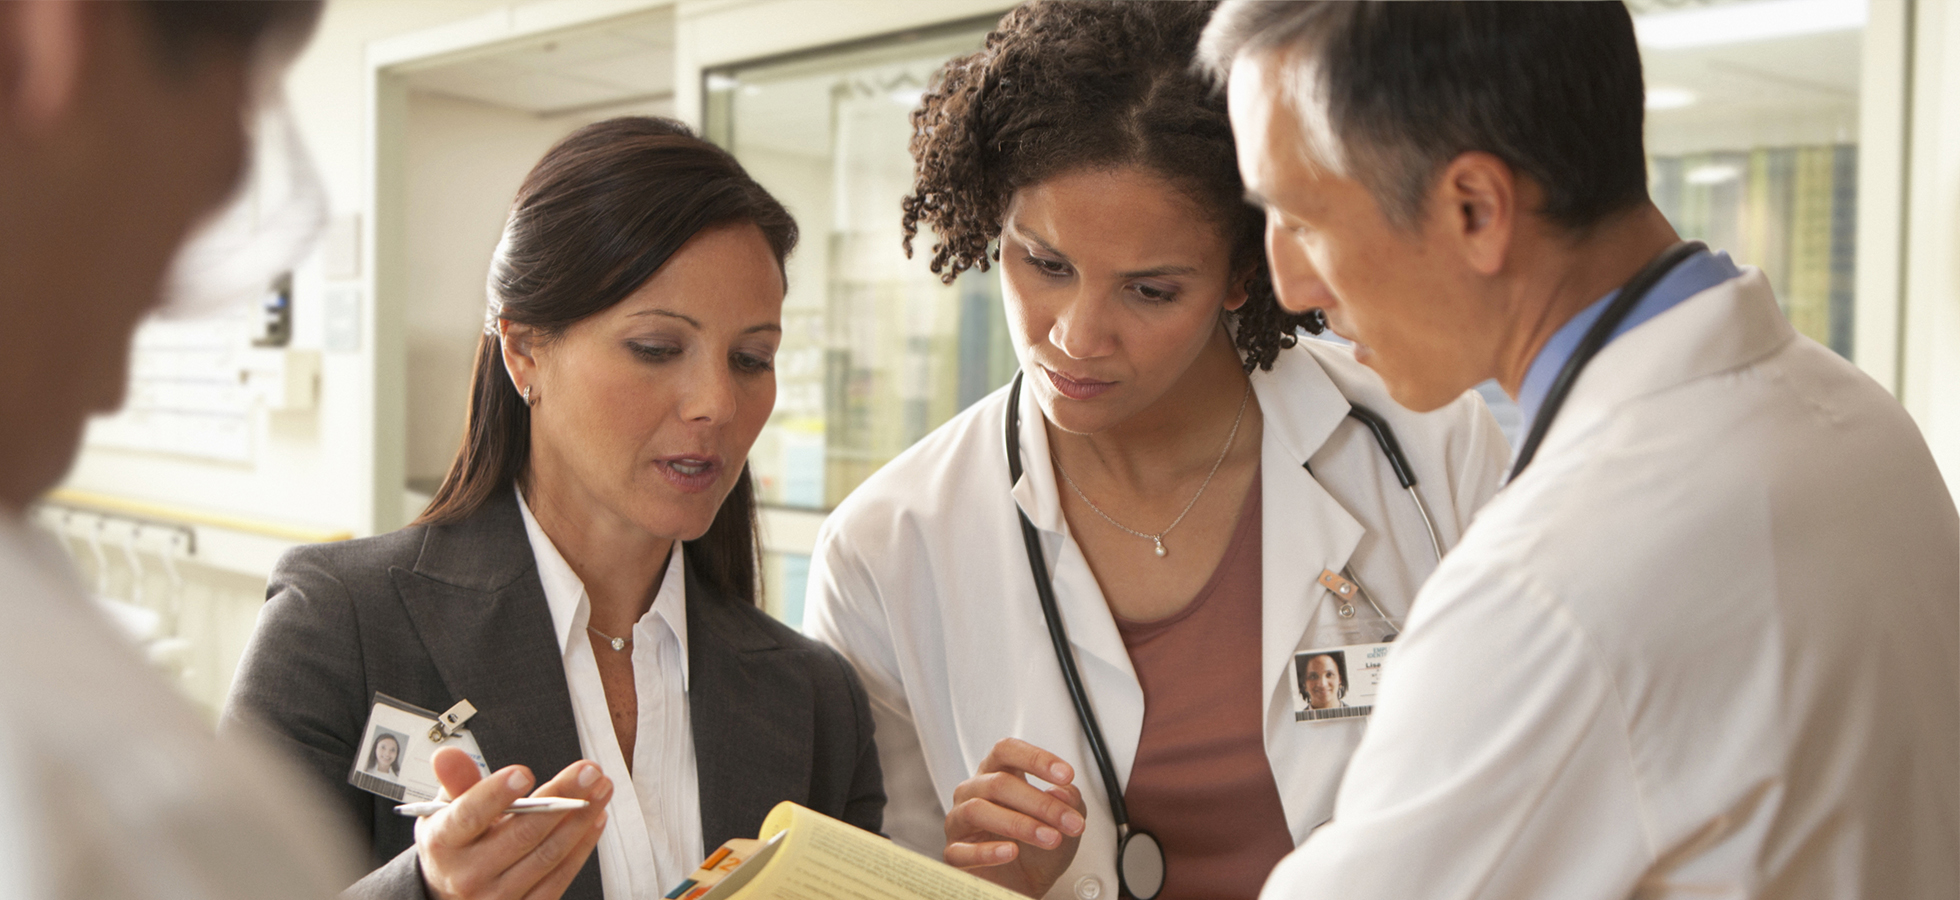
(1139,856)
(1634,291)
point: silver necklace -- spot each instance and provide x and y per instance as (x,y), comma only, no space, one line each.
(1158,538)
(617,643)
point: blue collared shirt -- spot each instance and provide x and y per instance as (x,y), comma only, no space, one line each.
(1695,274)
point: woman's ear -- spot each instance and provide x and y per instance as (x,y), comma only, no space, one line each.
(1237,295)
(520,343)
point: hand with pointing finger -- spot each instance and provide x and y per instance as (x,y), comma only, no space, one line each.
(474,850)
(1010,832)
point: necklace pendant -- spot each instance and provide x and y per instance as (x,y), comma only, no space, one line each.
(1160,546)
(619,643)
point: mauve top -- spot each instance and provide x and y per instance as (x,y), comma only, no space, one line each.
(1201,782)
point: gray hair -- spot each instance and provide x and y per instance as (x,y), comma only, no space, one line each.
(1388,93)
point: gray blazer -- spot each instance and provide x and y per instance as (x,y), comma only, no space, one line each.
(437,614)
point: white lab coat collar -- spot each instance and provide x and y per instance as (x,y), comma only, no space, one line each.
(1036,491)
(1303,406)
(1085,612)
(571,607)
(1301,403)
(1730,325)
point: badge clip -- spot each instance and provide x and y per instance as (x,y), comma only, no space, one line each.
(451,722)
(1342,588)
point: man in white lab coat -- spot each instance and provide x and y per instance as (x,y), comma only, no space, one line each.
(1704,643)
(121,125)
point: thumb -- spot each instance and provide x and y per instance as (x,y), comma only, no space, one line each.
(456,771)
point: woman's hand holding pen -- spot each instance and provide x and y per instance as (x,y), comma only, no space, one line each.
(1010,832)
(474,850)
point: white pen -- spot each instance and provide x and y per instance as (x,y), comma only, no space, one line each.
(520,805)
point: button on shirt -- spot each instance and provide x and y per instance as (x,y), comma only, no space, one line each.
(653,834)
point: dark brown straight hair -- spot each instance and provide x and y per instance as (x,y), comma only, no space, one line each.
(598,216)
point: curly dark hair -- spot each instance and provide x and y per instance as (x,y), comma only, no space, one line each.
(1067,84)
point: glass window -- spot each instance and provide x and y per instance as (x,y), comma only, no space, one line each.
(876,351)
(1752,136)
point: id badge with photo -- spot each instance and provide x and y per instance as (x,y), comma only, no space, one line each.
(1332,683)
(396,746)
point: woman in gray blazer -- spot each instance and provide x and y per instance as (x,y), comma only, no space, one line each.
(585,576)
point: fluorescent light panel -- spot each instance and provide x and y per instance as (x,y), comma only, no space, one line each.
(1715,174)
(1737,23)
(1662,97)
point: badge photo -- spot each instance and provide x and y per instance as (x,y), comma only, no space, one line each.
(396,747)
(1336,682)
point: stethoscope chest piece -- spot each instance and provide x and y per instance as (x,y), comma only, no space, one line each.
(1140,865)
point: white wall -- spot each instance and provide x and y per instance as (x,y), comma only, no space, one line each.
(465,161)
(1930,373)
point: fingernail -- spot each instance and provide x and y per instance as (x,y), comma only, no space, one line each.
(588,775)
(519,780)
(1047,837)
(1003,852)
(1071,823)
(1058,773)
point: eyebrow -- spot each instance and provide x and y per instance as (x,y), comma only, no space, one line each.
(1031,236)
(1157,272)
(668,313)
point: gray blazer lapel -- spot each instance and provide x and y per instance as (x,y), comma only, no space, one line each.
(479,609)
(497,651)
(752,712)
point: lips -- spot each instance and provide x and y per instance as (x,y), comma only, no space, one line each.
(1086,389)
(690,474)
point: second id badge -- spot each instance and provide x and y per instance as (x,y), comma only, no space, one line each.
(396,746)
(1336,682)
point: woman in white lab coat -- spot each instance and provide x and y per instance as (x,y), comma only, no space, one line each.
(1195,481)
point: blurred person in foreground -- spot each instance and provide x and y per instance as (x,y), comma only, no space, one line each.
(122,126)
(1724,585)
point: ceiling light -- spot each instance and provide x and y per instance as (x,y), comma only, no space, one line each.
(1715,174)
(1737,23)
(1670,98)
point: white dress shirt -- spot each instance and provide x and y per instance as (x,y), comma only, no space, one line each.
(1704,647)
(112,788)
(653,837)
